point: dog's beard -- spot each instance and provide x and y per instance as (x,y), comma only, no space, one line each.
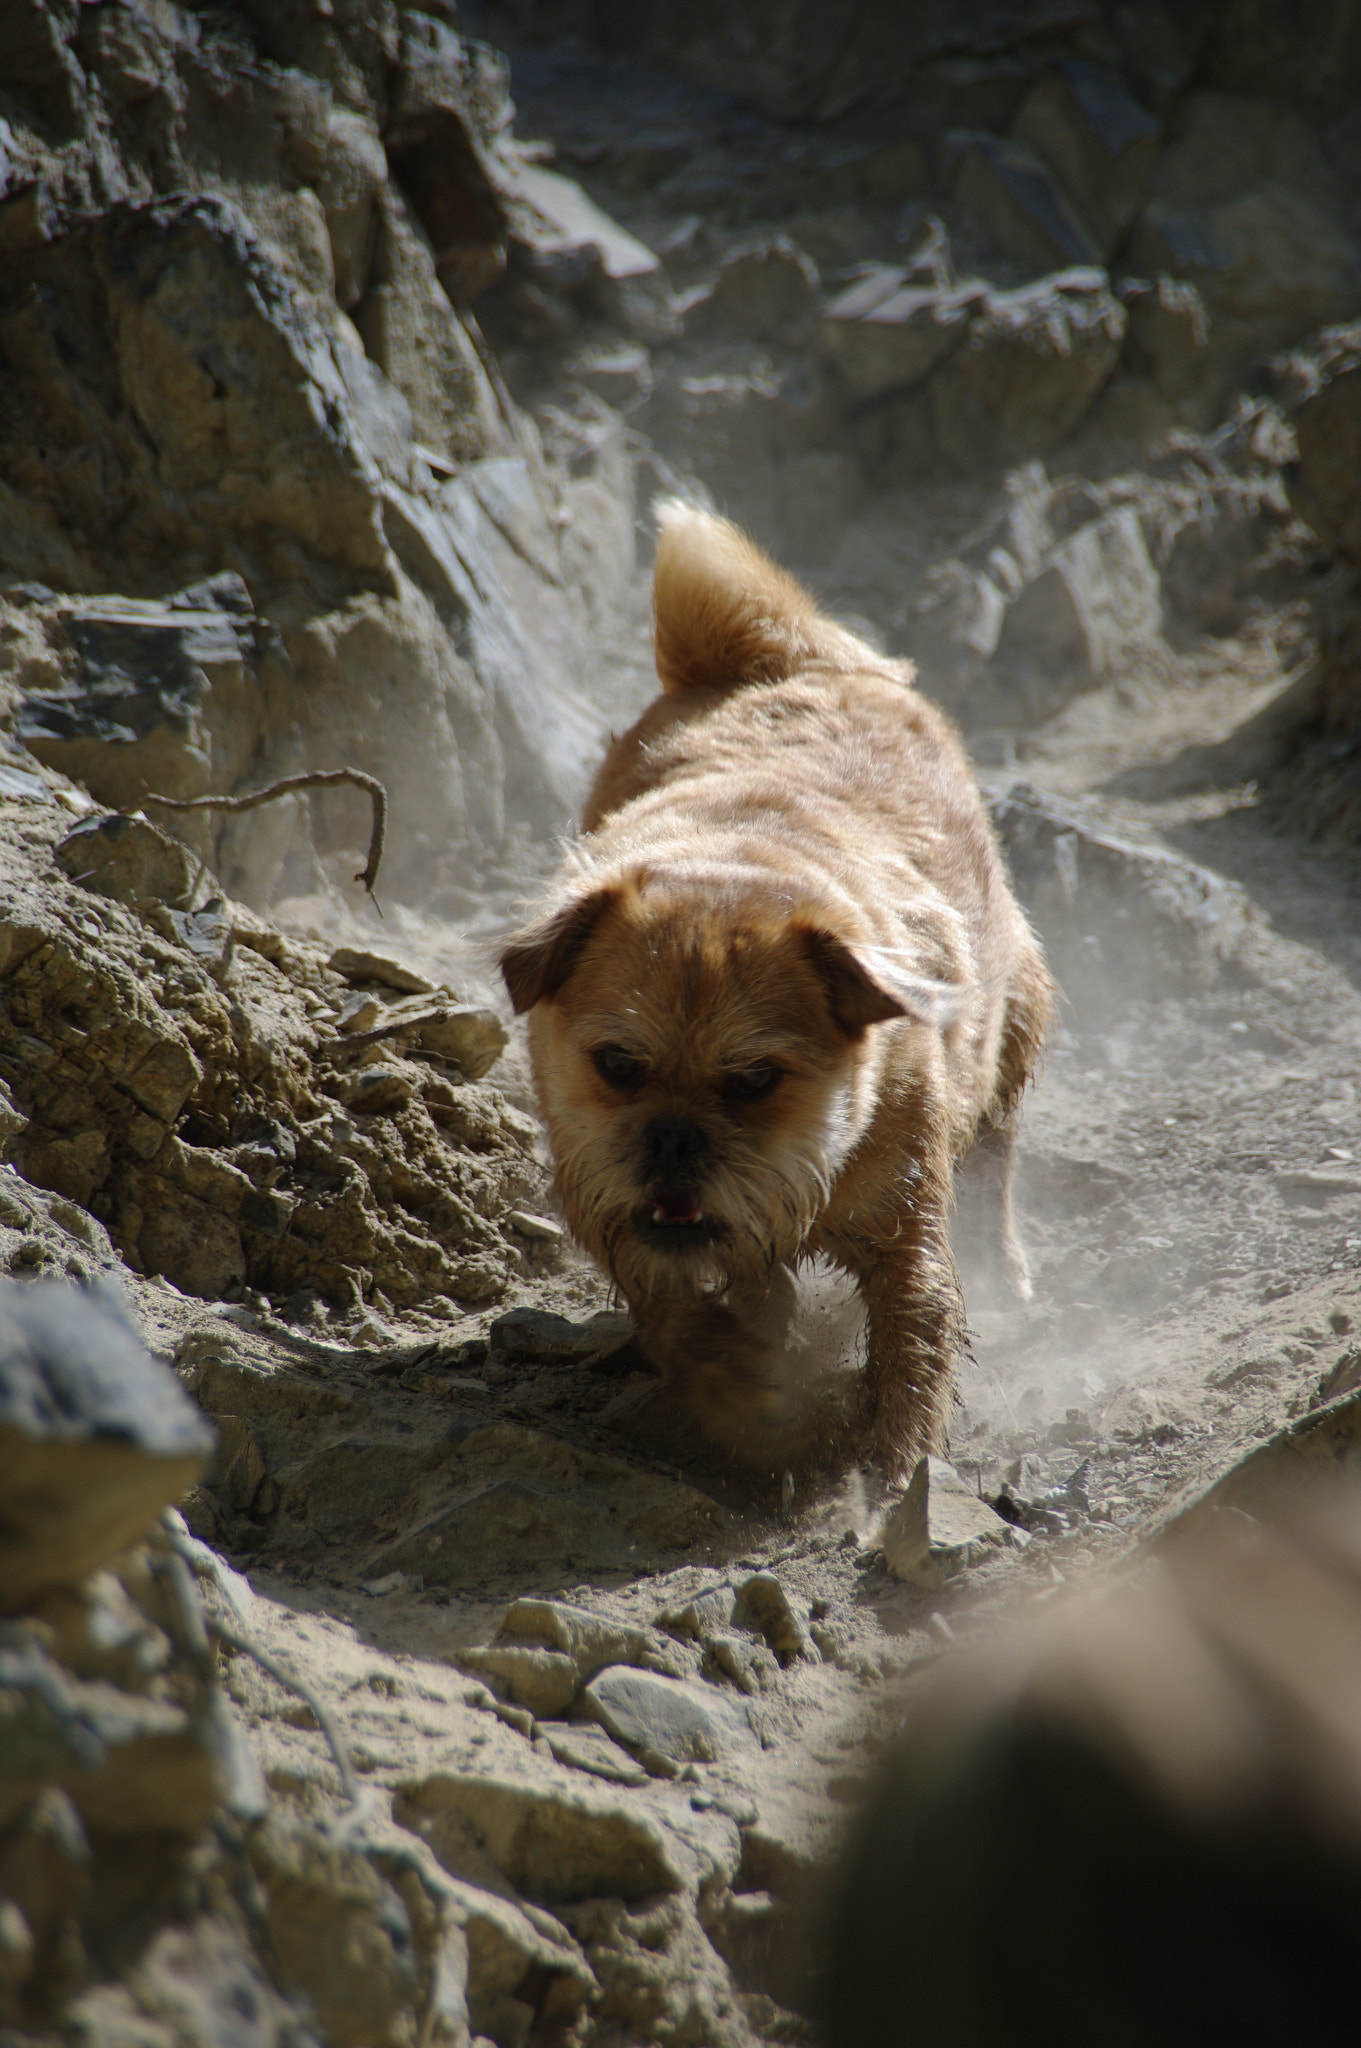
(756,1208)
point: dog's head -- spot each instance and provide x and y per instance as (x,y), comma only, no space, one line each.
(703,1053)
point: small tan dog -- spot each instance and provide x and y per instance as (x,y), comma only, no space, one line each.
(780,988)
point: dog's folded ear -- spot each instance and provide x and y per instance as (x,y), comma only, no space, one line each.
(538,960)
(854,996)
(864,986)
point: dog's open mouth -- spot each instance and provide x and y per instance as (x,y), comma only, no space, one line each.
(670,1217)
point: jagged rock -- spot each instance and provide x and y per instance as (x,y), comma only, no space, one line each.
(888,330)
(547,1651)
(1325,384)
(565,242)
(766,290)
(557,1839)
(1021,380)
(1168,334)
(939,1526)
(1084,122)
(95,1438)
(1116,912)
(449,102)
(1025,211)
(128,1761)
(339,1931)
(666,1719)
(472,1038)
(552,1339)
(1243,206)
(176,698)
(763,1605)
(360,966)
(128,859)
(1094,611)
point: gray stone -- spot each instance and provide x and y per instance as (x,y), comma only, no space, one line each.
(1033,363)
(356,965)
(95,1437)
(555,1340)
(1117,914)
(587,1747)
(1091,613)
(544,1681)
(1022,207)
(1084,122)
(764,1606)
(448,99)
(473,1039)
(1168,334)
(558,1839)
(128,859)
(1325,383)
(766,290)
(129,1762)
(590,1640)
(888,330)
(667,1718)
(939,1526)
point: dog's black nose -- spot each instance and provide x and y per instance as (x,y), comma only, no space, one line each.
(672,1148)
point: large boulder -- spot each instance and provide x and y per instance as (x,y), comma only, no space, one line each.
(95,1437)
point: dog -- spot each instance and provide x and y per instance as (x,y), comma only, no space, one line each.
(779,988)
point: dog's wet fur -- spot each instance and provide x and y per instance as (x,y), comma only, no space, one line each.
(781,986)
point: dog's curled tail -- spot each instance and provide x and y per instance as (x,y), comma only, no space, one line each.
(723,614)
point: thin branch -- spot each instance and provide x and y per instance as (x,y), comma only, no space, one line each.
(316,778)
(237,1639)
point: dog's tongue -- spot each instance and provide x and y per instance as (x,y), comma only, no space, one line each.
(668,1208)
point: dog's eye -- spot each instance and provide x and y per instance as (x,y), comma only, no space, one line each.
(751,1083)
(617,1067)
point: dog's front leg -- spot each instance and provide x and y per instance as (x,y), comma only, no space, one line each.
(916,1332)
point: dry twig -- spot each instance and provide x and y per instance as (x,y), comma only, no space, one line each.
(316,778)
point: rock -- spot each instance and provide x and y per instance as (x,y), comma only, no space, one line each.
(355,172)
(128,1762)
(763,1605)
(1092,613)
(473,1039)
(588,1639)
(167,698)
(449,101)
(96,1438)
(45,1880)
(1084,122)
(765,290)
(128,859)
(586,1747)
(888,330)
(339,1932)
(382,1089)
(360,1012)
(667,1718)
(555,1340)
(544,1682)
(1021,380)
(708,1612)
(1243,206)
(1022,207)
(355,965)
(539,1230)
(1115,912)
(418,339)
(1325,385)
(568,243)
(558,1839)
(1168,334)
(939,1526)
